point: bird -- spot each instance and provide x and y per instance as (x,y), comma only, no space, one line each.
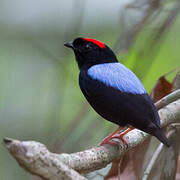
(114,91)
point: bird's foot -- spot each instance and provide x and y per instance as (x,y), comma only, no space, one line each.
(107,140)
(119,134)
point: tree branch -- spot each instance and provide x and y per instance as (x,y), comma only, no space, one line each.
(35,158)
(168,99)
(172,135)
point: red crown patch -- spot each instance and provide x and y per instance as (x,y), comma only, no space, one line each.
(99,43)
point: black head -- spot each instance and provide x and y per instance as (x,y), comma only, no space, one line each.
(89,52)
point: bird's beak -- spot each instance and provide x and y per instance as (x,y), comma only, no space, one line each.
(69,45)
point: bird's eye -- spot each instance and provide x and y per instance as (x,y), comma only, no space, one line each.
(88,47)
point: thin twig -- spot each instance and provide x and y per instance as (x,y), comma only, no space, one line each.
(156,154)
(152,161)
(168,99)
(119,169)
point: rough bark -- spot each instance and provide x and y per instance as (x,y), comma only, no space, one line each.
(36,159)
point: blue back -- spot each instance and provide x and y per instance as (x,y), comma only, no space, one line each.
(117,76)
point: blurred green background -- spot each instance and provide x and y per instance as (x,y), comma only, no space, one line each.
(39,94)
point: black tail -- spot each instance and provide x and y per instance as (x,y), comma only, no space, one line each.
(160,135)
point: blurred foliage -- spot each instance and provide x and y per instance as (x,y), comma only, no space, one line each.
(39,94)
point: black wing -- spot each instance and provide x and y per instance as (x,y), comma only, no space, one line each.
(120,107)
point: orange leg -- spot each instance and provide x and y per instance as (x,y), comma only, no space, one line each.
(108,138)
(116,134)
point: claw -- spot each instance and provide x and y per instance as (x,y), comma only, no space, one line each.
(116,134)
